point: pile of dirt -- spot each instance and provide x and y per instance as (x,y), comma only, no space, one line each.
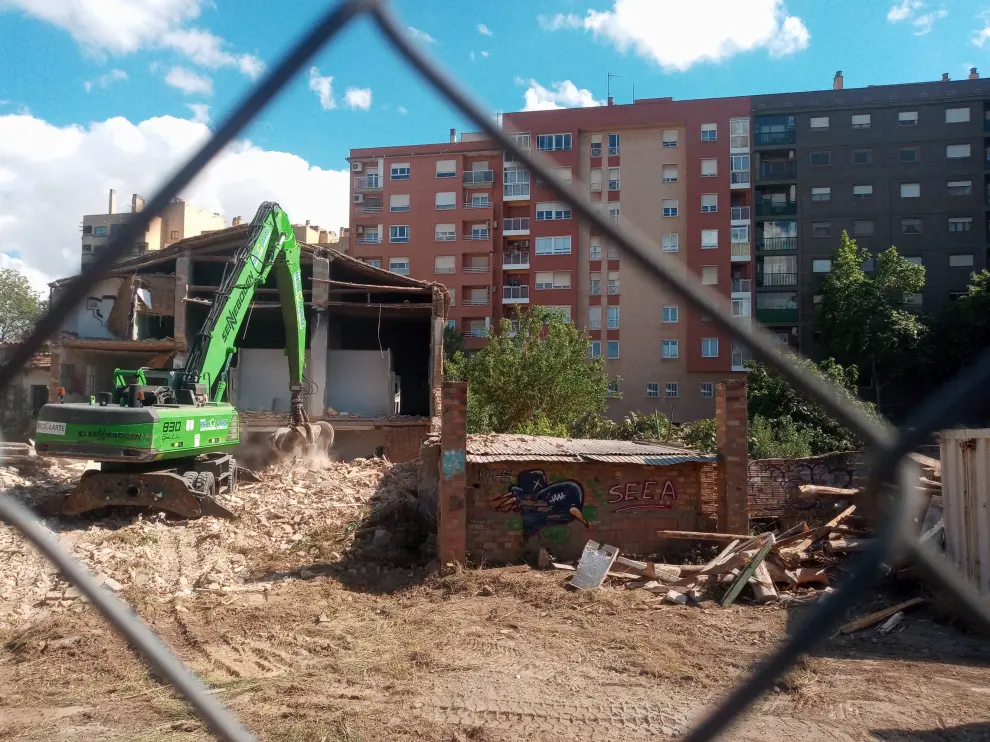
(360,518)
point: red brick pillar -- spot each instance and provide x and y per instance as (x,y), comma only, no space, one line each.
(731,437)
(452,526)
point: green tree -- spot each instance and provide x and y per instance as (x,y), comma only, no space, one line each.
(863,321)
(20,305)
(778,439)
(537,378)
(963,329)
(453,343)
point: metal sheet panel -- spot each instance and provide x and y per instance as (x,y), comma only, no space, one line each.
(965,456)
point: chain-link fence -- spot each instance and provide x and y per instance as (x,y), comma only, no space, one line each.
(890,482)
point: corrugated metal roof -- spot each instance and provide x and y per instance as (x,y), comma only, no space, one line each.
(505,447)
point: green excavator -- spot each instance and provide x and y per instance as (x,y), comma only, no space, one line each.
(164,437)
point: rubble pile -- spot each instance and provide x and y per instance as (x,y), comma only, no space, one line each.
(290,516)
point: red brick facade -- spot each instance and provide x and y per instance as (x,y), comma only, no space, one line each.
(732,440)
(453,443)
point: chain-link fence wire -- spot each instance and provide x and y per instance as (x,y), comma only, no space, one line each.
(892,475)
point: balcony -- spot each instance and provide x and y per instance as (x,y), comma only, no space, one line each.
(476,332)
(484,178)
(444,269)
(515,294)
(739,179)
(775,244)
(739,213)
(477,268)
(777,316)
(596,150)
(771,170)
(775,138)
(776,208)
(742,285)
(477,204)
(478,236)
(515,260)
(739,252)
(515,191)
(367,208)
(477,301)
(515,226)
(595,288)
(369,239)
(739,359)
(369,182)
(613,288)
(613,185)
(767,280)
(596,187)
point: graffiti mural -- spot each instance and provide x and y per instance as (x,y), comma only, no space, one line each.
(774,484)
(540,503)
(649,495)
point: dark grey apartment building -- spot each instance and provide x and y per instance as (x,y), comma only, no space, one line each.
(905,165)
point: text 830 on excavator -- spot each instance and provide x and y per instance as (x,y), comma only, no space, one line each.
(164,437)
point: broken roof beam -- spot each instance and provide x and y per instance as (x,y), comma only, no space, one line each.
(362,288)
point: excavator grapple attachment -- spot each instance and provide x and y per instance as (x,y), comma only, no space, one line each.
(304,439)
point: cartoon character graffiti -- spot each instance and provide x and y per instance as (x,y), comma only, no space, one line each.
(542,504)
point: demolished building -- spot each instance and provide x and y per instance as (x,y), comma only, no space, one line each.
(374,354)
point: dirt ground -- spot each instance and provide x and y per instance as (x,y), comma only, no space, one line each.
(331,628)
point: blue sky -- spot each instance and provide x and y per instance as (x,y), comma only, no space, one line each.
(79,65)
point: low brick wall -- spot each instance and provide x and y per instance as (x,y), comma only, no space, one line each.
(773,484)
(624,505)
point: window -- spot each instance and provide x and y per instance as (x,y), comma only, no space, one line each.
(612,390)
(911,226)
(669,173)
(821,229)
(562,311)
(822,158)
(452,324)
(613,318)
(653,389)
(444,233)
(554,246)
(668,349)
(553,142)
(446,200)
(960,224)
(819,123)
(669,207)
(709,132)
(87,248)
(740,234)
(709,203)
(594,318)
(612,349)
(907,118)
(956,115)
(596,145)
(960,187)
(613,145)
(594,249)
(566,174)
(668,242)
(374,262)
(552,210)
(961,261)
(520,139)
(670,390)
(399,171)
(739,133)
(515,182)
(595,349)
(868,265)
(398,202)
(614,211)
(707,389)
(862,228)
(173,234)
(669,314)
(612,252)
(823,265)
(709,168)
(553,280)
(821,194)
(817,299)
(398,233)
(399,265)
(103,230)
(862,192)
(595,281)
(862,156)
(910,190)
(480,200)
(709,347)
(709,275)
(446,168)
(914,300)
(914,259)
(480,232)
(709,239)
(957,151)
(909,154)
(453,296)
(669,137)
(613,282)
(444,264)
(861,121)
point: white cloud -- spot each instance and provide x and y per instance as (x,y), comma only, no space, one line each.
(403,110)
(923,23)
(564,95)
(421,35)
(471,56)
(359,98)
(189,82)
(200,111)
(483,30)
(323,87)
(677,36)
(126,26)
(903,10)
(105,80)
(52,175)
(982,35)
(484,54)
(911,10)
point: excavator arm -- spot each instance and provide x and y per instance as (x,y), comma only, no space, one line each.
(271,245)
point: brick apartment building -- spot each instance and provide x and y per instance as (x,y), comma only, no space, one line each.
(897,164)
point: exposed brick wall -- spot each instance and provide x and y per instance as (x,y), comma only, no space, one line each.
(453,444)
(732,440)
(403,442)
(709,496)
(773,484)
(614,496)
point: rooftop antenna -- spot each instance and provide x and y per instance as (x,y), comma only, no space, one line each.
(609,88)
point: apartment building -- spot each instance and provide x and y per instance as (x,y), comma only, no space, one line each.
(905,165)
(180,219)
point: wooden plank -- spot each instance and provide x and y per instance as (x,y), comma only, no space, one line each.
(847,545)
(564,567)
(649,569)
(874,618)
(747,572)
(762,584)
(891,623)
(805,543)
(506,570)
(812,533)
(372,288)
(820,490)
(701,536)
(933,533)
(794,531)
